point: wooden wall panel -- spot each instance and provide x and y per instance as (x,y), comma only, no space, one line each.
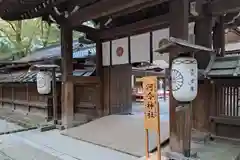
(34,96)
(27,103)
(229,131)
(118,89)
(7,93)
(201,107)
(85,102)
(85,97)
(20,92)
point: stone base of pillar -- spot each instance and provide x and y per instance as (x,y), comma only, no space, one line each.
(67,121)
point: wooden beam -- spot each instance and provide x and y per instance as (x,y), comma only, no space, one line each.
(180,121)
(225,120)
(135,28)
(139,27)
(137,72)
(84,80)
(86,29)
(138,8)
(101,9)
(220,7)
(90,32)
(67,68)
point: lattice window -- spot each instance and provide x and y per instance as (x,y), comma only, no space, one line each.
(228,101)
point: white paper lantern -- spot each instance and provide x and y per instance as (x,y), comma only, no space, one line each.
(43,82)
(184,79)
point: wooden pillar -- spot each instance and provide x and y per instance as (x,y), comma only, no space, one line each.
(213,107)
(202,106)
(99,71)
(27,96)
(13,97)
(67,69)
(165,84)
(180,123)
(49,115)
(219,36)
(203,36)
(54,96)
(106,90)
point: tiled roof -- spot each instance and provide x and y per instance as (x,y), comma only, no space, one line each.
(228,66)
(27,77)
(54,52)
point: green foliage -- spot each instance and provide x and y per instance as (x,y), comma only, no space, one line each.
(19,38)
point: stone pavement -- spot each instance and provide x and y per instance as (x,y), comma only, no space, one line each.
(23,151)
(49,145)
(124,133)
(21,118)
(7,126)
(212,150)
(54,146)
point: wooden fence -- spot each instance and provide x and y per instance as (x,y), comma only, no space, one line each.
(227,99)
(226,119)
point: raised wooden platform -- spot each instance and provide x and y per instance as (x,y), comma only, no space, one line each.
(124,133)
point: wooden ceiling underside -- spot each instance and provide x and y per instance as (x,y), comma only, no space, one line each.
(86,9)
(25,9)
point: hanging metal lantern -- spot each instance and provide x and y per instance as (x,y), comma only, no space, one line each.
(184,75)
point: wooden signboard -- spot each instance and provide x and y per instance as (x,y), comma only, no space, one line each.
(151,111)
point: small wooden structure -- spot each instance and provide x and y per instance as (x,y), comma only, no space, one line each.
(19,90)
(223,107)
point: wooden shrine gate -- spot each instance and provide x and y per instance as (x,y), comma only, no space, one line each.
(226,121)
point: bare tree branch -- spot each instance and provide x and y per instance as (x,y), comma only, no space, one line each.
(12,26)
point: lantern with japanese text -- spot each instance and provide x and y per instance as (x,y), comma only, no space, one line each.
(184,75)
(44,82)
